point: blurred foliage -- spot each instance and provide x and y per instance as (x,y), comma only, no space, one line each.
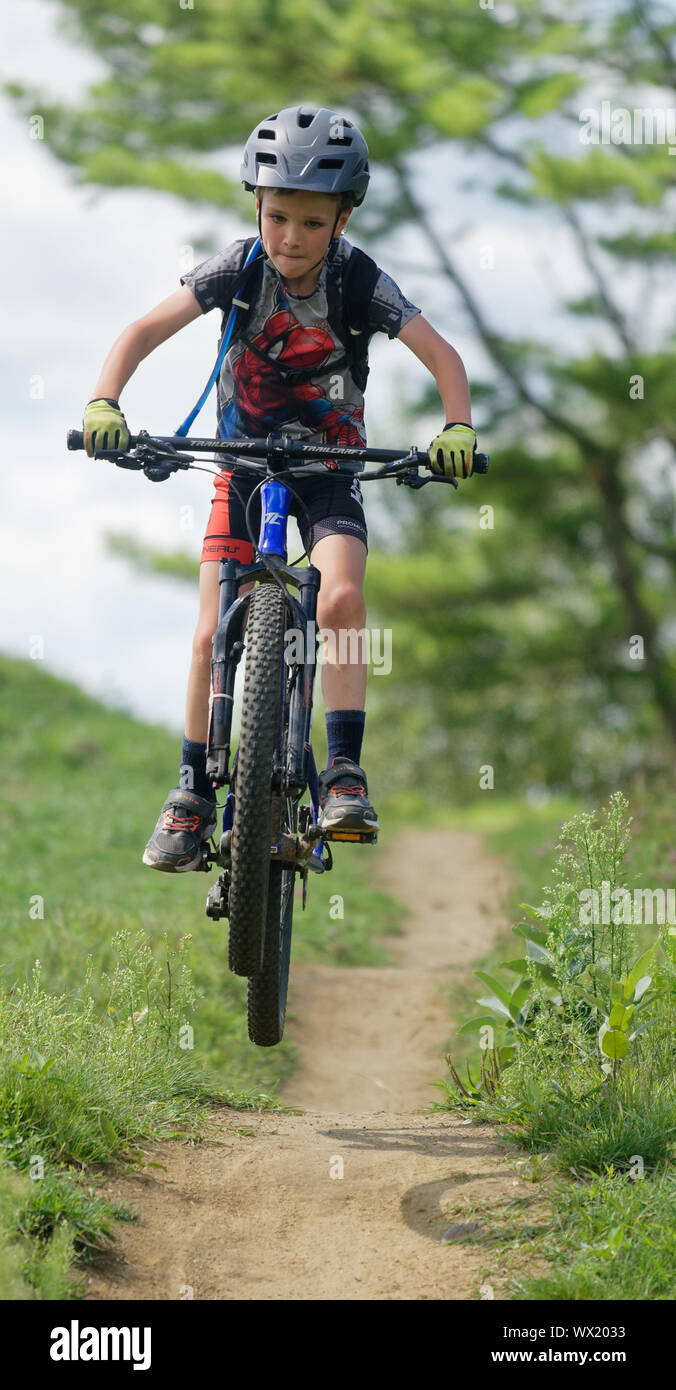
(511,640)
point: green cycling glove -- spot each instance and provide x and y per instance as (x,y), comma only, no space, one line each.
(452,452)
(104,427)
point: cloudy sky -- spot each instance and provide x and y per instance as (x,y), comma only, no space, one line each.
(79,265)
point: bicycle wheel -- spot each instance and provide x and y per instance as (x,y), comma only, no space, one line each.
(252,824)
(268,990)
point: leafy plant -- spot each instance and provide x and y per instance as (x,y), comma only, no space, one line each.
(626,995)
(576,998)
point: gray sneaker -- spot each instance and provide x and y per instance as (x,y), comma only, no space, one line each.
(343,798)
(186,820)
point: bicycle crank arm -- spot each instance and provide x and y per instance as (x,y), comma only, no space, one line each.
(299,850)
(293,849)
(288,849)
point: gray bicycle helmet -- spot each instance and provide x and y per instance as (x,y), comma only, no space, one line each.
(309,148)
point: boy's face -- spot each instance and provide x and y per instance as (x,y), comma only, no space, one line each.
(297,229)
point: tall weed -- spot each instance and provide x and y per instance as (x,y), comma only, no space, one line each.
(576,1035)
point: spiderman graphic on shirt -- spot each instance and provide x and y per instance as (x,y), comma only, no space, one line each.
(263,402)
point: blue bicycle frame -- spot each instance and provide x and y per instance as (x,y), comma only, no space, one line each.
(300,771)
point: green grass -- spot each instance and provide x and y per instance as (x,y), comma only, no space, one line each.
(610,1239)
(82,791)
(80,1085)
(30,1267)
(526,840)
(131,1022)
(587,1125)
(610,1140)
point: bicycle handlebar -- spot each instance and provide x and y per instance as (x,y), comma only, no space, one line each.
(279,447)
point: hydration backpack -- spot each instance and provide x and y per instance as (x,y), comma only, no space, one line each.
(348,298)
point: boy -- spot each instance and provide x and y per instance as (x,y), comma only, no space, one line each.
(308,167)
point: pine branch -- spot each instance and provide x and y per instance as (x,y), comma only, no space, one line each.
(494,344)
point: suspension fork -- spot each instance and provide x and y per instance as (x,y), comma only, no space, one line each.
(227,648)
(300,710)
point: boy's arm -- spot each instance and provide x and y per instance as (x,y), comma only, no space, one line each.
(141,337)
(445,365)
(452,451)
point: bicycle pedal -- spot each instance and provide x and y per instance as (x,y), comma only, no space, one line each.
(217,898)
(207,858)
(361,837)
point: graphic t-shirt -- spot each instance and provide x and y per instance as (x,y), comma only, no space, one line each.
(252,398)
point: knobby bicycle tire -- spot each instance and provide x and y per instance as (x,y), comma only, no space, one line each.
(267,991)
(251,832)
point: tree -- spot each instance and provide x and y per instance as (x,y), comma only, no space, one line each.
(542,617)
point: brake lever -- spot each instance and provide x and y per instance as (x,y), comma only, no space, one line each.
(164,460)
(120,460)
(412,478)
(156,468)
(158,463)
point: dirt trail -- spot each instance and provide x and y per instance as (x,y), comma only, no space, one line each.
(373,1039)
(350,1199)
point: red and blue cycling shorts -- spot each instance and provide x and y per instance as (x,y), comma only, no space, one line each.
(323,506)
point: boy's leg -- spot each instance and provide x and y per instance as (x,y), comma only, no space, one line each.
(341,561)
(341,617)
(188,816)
(197,698)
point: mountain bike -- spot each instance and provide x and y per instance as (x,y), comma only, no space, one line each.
(268,837)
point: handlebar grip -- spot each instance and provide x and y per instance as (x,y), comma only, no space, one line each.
(75,439)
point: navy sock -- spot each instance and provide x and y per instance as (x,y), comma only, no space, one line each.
(344,733)
(193,769)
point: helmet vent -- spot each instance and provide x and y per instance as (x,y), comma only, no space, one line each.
(307,147)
